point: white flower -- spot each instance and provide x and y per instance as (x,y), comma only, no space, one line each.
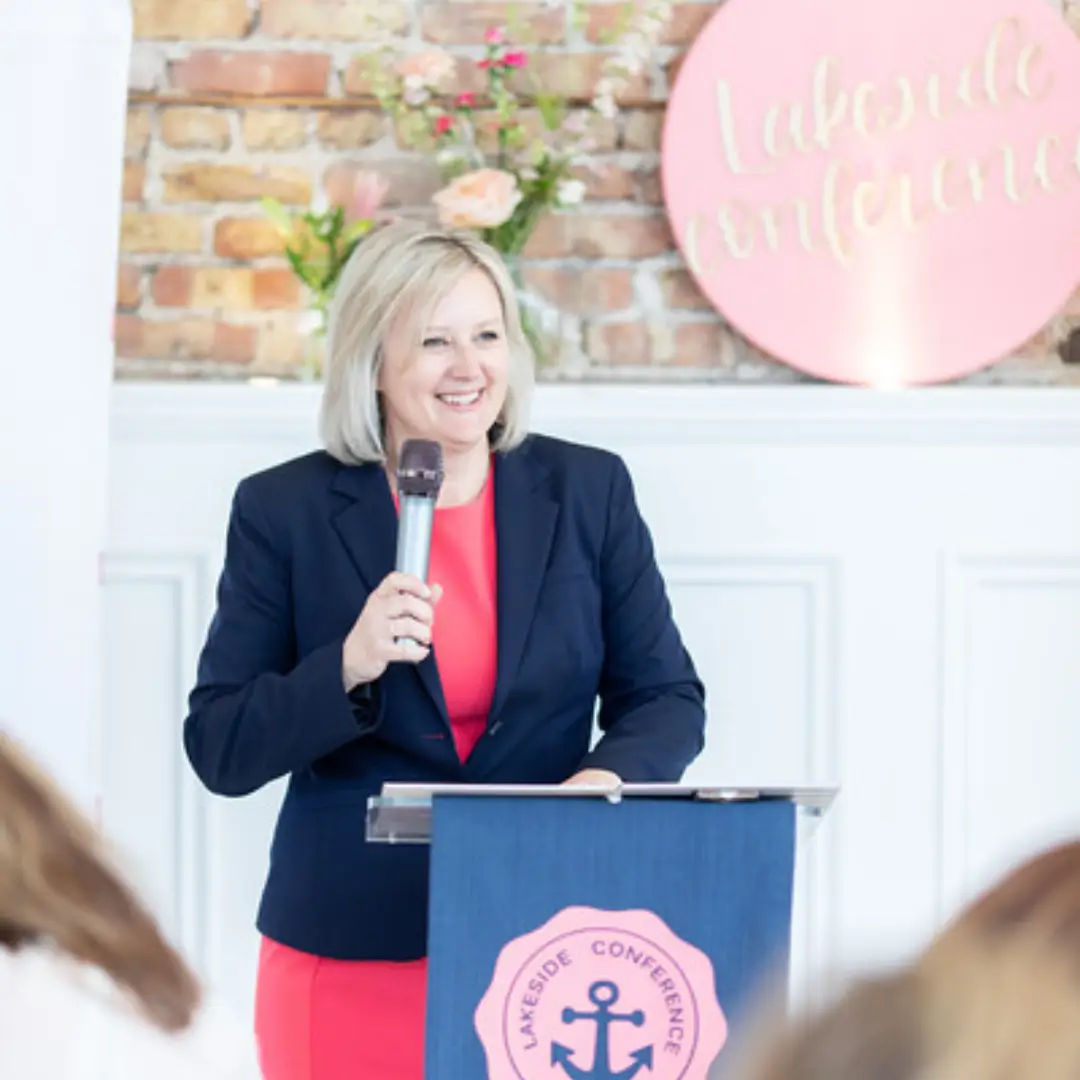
(605,106)
(570,192)
(605,88)
(446,157)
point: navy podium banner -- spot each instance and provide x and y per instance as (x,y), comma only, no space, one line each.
(579,938)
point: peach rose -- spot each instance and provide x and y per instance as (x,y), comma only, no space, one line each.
(428,68)
(483,199)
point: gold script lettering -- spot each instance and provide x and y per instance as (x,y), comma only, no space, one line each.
(771,134)
(860,107)
(692,246)
(738,248)
(732,155)
(992,59)
(939,181)
(839,243)
(1042,165)
(1031,55)
(829,108)
(867,194)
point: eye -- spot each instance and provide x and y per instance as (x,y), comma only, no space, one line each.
(434,342)
(490,335)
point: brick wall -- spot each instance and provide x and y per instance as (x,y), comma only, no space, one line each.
(235,99)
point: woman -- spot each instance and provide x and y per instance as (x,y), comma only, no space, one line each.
(543,595)
(89,988)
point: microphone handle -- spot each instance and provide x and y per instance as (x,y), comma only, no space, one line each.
(415,521)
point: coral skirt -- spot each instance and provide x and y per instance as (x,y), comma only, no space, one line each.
(319,1019)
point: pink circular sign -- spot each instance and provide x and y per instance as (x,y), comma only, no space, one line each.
(601,994)
(880,195)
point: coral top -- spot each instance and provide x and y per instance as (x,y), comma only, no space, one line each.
(464,633)
(320,1019)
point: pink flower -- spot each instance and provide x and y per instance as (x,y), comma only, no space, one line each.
(483,65)
(494,35)
(428,68)
(483,199)
(443,124)
(359,194)
(465,100)
(515,59)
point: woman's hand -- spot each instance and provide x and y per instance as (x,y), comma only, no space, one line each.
(401,607)
(594,778)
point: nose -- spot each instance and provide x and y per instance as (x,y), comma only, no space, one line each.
(466,362)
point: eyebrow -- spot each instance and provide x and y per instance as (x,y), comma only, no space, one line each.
(494,321)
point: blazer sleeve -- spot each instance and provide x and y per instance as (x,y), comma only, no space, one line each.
(256,713)
(652,704)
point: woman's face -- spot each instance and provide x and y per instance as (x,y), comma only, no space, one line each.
(446,380)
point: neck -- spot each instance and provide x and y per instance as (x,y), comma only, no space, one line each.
(464,474)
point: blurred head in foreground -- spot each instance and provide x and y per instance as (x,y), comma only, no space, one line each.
(995,997)
(58,891)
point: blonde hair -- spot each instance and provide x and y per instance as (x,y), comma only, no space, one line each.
(406,267)
(58,890)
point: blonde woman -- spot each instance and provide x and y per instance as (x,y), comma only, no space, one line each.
(89,987)
(544,596)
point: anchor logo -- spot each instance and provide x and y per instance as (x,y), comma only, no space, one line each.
(603,994)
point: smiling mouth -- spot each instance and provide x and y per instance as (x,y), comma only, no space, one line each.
(461,401)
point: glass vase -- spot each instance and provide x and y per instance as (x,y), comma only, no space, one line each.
(555,336)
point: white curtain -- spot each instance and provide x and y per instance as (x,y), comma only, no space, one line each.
(63,83)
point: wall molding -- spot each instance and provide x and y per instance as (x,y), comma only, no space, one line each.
(962,577)
(643,414)
(185,575)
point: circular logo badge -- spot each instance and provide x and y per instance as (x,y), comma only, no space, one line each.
(601,995)
(880,195)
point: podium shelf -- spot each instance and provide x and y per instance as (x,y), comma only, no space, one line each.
(401,814)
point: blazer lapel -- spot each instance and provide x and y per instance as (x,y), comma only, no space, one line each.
(368,527)
(525,518)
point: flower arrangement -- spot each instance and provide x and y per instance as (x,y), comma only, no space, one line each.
(512,153)
(501,172)
(507,155)
(318,242)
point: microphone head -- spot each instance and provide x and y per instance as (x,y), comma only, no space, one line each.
(420,468)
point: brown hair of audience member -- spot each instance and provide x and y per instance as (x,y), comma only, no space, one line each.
(58,890)
(870,1033)
(996,996)
(1041,895)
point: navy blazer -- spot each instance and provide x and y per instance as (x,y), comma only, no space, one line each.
(582,613)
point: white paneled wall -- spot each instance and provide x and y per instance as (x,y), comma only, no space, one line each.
(880,591)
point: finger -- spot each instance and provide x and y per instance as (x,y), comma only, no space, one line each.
(436,593)
(406,651)
(402,605)
(406,627)
(398,582)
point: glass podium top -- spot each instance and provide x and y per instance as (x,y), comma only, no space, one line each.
(401,814)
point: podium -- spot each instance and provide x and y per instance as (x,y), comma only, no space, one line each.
(581,933)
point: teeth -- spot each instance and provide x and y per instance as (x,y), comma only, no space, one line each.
(460,399)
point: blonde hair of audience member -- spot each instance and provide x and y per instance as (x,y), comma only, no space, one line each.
(407,267)
(58,890)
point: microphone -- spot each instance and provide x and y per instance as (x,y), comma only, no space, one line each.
(419,480)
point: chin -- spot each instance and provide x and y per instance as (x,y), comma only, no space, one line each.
(466,432)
